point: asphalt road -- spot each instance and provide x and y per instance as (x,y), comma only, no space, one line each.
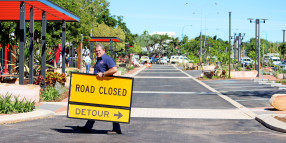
(167,106)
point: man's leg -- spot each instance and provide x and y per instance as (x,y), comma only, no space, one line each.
(116,129)
(89,124)
(87,127)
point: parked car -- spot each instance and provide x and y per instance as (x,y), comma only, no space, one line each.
(174,59)
(246,61)
(154,60)
(144,59)
(275,60)
(163,60)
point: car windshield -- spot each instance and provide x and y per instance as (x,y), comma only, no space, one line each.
(276,60)
(144,57)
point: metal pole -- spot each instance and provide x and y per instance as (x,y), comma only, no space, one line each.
(263,62)
(201,44)
(31,56)
(115,52)
(258,36)
(81,38)
(44,45)
(229,44)
(243,57)
(256,29)
(64,47)
(22,42)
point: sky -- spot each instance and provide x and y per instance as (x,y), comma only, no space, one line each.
(211,17)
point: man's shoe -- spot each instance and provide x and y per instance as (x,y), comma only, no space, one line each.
(84,129)
(114,132)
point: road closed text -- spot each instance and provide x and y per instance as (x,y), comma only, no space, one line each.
(101,90)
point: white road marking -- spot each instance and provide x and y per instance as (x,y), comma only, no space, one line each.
(188,113)
(170,92)
(160,72)
(159,77)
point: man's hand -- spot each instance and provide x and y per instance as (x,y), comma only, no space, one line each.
(100,75)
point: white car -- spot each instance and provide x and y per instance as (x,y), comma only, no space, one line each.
(174,59)
(246,61)
(144,59)
(275,60)
(163,60)
(183,59)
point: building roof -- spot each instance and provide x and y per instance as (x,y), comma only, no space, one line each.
(10,11)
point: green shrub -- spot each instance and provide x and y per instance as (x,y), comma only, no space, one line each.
(53,77)
(69,72)
(8,106)
(123,70)
(130,67)
(49,94)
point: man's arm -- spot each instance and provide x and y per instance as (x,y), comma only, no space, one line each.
(111,71)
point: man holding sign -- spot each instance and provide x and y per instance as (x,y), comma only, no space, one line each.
(105,66)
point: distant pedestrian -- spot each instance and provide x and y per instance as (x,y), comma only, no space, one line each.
(87,61)
(105,66)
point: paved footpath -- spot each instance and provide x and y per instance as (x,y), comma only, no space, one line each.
(168,105)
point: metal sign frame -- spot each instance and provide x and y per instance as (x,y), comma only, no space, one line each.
(100,105)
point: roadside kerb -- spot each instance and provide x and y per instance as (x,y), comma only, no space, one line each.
(236,104)
(37,114)
(269,121)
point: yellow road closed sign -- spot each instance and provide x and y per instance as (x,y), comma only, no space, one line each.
(105,99)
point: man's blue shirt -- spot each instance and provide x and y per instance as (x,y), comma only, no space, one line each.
(104,64)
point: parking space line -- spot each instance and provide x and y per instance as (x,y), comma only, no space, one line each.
(172,92)
(160,72)
(188,113)
(159,77)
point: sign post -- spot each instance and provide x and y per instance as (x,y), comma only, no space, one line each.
(106,99)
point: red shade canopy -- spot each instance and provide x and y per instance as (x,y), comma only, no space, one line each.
(10,11)
(105,39)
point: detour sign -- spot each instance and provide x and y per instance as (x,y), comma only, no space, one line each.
(106,99)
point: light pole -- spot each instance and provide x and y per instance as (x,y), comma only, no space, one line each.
(229,44)
(257,39)
(183,30)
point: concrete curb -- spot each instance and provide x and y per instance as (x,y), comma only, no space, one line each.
(270,122)
(37,114)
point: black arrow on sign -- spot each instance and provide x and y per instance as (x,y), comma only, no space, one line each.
(119,115)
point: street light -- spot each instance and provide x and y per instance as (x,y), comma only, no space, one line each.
(257,40)
(201,32)
(183,30)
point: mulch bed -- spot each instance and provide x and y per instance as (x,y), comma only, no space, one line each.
(283,119)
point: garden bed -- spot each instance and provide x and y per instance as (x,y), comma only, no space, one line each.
(283,119)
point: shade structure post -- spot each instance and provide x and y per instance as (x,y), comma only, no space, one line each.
(44,45)
(63,46)
(114,51)
(111,48)
(22,43)
(31,53)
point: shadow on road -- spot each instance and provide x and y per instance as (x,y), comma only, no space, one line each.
(264,94)
(74,129)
